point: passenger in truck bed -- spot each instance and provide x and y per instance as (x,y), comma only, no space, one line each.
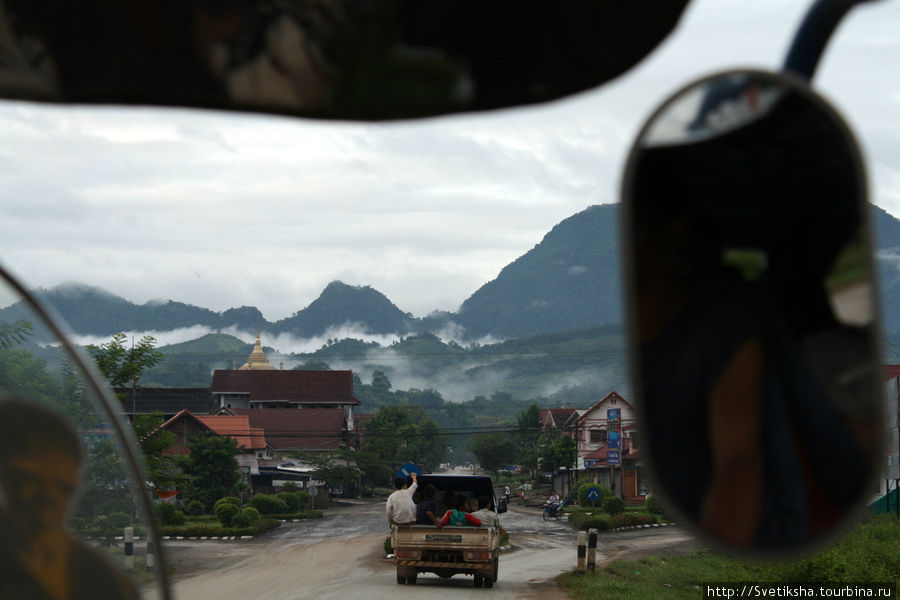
(426,510)
(459,516)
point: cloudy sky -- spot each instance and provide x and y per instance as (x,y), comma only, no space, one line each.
(223,210)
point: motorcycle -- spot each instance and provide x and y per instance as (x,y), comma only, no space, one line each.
(552,511)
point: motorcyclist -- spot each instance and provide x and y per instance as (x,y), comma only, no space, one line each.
(553,502)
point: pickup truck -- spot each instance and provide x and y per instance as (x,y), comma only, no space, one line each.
(447,551)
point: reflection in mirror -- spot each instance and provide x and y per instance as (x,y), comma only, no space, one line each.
(67,487)
(339,59)
(753,320)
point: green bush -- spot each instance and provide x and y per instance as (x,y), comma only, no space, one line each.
(652,506)
(119,520)
(268,505)
(226,512)
(194,508)
(388,549)
(101,524)
(303,495)
(211,530)
(240,520)
(289,486)
(613,505)
(585,521)
(631,519)
(291,501)
(252,515)
(227,500)
(870,553)
(169,514)
(79,524)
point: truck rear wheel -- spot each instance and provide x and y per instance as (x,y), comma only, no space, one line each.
(401,579)
(478,580)
(496,568)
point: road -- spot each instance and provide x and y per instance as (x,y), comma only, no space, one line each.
(341,557)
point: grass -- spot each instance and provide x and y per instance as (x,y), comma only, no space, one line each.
(869,553)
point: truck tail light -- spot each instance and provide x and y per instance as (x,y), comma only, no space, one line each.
(481,556)
(409,554)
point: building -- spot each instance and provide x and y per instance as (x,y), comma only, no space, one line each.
(559,418)
(289,429)
(258,385)
(168,401)
(607,447)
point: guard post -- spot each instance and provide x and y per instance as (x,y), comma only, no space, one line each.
(582,540)
(129,547)
(149,556)
(592,550)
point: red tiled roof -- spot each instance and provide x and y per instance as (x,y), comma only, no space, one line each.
(315,387)
(301,429)
(237,427)
(559,416)
(598,454)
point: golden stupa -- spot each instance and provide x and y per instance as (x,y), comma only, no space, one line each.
(257,360)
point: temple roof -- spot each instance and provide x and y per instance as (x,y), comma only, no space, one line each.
(257,360)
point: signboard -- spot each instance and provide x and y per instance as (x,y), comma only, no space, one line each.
(407,470)
(613,457)
(613,414)
(614,444)
(593,494)
(313,491)
(590,462)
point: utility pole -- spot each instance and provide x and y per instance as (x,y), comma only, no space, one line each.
(133,389)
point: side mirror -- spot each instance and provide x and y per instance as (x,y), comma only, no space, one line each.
(752,312)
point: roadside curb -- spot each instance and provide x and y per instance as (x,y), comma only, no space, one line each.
(204,538)
(648,526)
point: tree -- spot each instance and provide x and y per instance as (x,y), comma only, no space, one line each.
(557,452)
(161,469)
(494,451)
(313,365)
(104,483)
(211,467)
(381,385)
(529,426)
(12,334)
(335,469)
(400,434)
(123,366)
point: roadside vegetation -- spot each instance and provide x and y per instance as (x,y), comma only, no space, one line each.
(232,518)
(868,554)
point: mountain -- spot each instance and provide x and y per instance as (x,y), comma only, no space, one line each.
(340,304)
(570,280)
(91,310)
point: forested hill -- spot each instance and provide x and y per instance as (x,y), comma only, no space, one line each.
(340,303)
(569,280)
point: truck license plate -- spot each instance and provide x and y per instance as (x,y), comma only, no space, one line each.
(442,537)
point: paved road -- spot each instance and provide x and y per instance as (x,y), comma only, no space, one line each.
(341,557)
